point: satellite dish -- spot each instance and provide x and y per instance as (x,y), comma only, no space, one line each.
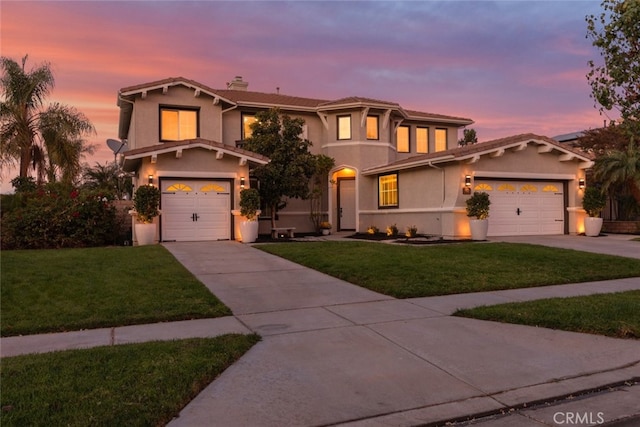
(117,146)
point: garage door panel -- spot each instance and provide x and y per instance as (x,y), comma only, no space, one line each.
(209,200)
(524,207)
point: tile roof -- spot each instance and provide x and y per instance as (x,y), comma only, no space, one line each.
(461,153)
(191,143)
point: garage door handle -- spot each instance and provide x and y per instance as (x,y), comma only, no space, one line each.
(194,217)
(518,211)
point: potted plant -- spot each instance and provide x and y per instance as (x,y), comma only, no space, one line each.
(478,208)
(325,226)
(593,202)
(249,209)
(146,202)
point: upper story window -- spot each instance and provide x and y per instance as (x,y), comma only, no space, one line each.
(388,191)
(372,127)
(247,121)
(441,139)
(177,124)
(402,139)
(422,140)
(344,127)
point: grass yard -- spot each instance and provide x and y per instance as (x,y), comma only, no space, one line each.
(126,385)
(405,271)
(73,289)
(615,315)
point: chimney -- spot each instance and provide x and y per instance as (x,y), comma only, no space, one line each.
(237,84)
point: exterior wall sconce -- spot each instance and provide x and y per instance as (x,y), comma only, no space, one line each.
(150,179)
(581,184)
(242,182)
(467,185)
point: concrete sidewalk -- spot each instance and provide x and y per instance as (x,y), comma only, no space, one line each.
(335,354)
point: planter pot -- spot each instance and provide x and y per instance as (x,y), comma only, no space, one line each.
(592,226)
(479,228)
(145,234)
(325,232)
(249,231)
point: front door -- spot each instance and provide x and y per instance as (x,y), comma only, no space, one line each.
(346,204)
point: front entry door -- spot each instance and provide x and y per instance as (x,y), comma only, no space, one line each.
(346,204)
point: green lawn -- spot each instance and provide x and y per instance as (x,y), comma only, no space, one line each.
(615,315)
(405,271)
(72,289)
(125,385)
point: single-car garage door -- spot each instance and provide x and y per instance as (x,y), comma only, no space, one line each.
(195,210)
(524,207)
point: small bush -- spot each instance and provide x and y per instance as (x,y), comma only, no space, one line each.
(57,216)
(392,230)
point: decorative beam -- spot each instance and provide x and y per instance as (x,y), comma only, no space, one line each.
(243,161)
(219,155)
(216,100)
(385,118)
(546,148)
(522,146)
(474,159)
(323,119)
(586,165)
(165,89)
(363,120)
(566,157)
(497,153)
(154,158)
(179,153)
(396,125)
(144,94)
(196,93)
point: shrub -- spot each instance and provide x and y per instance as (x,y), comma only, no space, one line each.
(146,203)
(412,231)
(249,203)
(372,229)
(58,216)
(478,205)
(593,201)
(392,230)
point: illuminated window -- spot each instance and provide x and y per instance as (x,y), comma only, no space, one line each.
(179,187)
(344,127)
(506,187)
(483,187)
(422,140)
(550,188)
(441,139)
(402,139)
(529,187)
(372,127)
(388,191)
(178,124)
(247,121)
(213,187)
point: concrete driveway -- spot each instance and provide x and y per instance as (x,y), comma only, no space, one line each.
(336,354)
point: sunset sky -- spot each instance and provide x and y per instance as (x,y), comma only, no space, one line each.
(511,66)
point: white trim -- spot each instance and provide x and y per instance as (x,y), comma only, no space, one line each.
(524,175)
(191,174)
(358,143)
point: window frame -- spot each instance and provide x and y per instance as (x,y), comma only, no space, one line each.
(446,139)
(426,130)
(243,136)
(377,119)
(397,191)
(338,134)
(408,128)
(177,108)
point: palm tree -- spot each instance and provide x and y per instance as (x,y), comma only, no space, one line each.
(107,177)
(620,167)
(47,139)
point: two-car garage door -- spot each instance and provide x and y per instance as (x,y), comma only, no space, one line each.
(195,210)
(524,207)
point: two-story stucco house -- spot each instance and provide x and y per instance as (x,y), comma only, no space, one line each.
(392,166)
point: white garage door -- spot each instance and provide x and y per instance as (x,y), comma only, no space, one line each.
(524,207)
(195,210)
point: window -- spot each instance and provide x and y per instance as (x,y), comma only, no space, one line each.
(344,127)
(422,140)
(388,191)
(441,139)
(372,127)
(178,124)
(247,121)
(402,139)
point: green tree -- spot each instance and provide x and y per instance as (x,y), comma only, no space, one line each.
(615,84)
(291,165)
(620,168)
(469,136)
(47,139)
(107,177)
